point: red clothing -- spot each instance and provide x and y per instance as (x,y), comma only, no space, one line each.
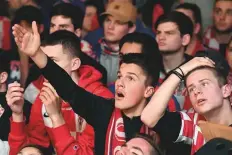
(74,137)
(5,37)
(198,47)
(190,131)
(209,39)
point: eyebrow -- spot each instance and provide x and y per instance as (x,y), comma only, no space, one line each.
(133,74)
(199,81)
(63,25)
(137,148)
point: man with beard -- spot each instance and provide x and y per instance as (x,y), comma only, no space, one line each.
(217,36)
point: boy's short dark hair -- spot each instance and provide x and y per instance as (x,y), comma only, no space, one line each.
(148,44)
(69,41)
(69,11)
(146,63)
(4,62)
(194,9)
(183,22)
(42,150)
(28,14)
(151,141)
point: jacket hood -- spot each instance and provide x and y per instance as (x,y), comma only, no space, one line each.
(89,76)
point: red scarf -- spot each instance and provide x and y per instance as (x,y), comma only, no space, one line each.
(115,136)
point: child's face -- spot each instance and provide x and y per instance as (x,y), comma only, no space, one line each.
(130,87)
(29,151)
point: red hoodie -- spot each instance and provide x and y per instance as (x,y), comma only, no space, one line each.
(74,137)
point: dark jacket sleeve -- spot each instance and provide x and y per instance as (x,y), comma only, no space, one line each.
(91,107)
(168,127)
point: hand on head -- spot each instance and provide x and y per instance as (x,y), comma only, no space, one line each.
(196,62)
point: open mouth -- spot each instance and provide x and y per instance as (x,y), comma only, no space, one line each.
(119,94)
(201,101)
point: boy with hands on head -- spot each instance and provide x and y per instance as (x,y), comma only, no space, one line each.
(209,93)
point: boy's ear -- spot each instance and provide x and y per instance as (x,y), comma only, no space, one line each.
(186,39)
(3,77)
(78,32)
(76,63)
(226,90)
(149,91)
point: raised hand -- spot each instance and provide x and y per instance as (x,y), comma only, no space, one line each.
(28,42)
(52,103)
(196,62)
(14,98)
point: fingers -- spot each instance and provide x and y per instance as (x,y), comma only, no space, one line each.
(18,33)
(205,61)
(34,28)
(48,94)
(14,93)
(47,84)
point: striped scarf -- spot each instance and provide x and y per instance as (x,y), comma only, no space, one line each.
(115,136)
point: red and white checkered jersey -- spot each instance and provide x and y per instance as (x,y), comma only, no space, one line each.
(5,29)
(209,39)
(190,132)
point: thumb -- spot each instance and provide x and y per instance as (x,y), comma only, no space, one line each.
(34,28)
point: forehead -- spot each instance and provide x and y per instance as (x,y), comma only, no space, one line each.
(200,74)
(187,12)
(131,68)
(167,26)
(131,48)
(53,51)
(140,143)
(61,20)
(91,9)
(224,5)
(30,150)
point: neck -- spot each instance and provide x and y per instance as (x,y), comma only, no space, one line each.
(191,47)
(223,38)
(83,33)
(171,61)
(3,88)
(75,77)
(135,111)
(222,115)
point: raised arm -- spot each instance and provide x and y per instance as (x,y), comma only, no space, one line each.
(83,103)
(158,104)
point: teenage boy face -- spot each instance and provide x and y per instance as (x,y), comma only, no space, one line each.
(61,23)
(136,146)
(61,58)
(130,86)
(222,16)
(114,30)
(205,93)
(168,37)
(229,54)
